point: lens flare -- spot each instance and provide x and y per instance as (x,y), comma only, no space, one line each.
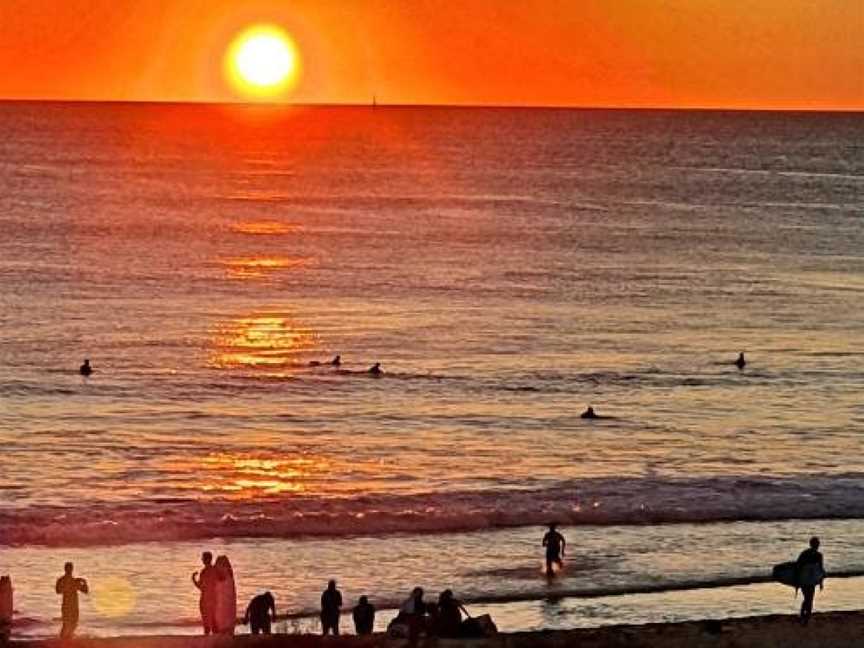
(262,62)
(114,596)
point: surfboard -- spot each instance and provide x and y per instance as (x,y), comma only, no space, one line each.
(788,574)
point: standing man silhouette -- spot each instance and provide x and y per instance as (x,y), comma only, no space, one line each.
(554,543)
(206,581)
(331,606)
(811,572)
(69,586)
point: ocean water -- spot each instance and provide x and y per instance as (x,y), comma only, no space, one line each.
(507,268)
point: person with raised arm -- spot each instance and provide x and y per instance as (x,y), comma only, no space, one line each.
(68,586)
(205,581)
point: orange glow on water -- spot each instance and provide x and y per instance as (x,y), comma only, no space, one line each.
(241,476)
(264,228)
(263,341)
(258,267)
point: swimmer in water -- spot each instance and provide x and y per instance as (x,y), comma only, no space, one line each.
(375,369)
(740,362)
(334,362)
(589,414)
(85,369)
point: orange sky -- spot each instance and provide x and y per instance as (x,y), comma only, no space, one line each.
(725,53)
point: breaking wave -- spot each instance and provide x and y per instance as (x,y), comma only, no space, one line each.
(600,501)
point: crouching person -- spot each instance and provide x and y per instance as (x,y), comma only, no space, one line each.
(261,613)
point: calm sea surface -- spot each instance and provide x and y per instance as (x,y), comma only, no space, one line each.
(507,268)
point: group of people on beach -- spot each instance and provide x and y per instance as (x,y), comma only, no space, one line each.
(415,617)
(444,618)
(217,603)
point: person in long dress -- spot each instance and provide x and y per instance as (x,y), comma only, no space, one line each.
(226,597)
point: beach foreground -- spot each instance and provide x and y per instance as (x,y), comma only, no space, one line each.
(828,630)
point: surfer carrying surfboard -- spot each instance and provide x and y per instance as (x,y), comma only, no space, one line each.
(554,543)
(811,572)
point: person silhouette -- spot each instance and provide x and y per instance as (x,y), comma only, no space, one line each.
(336,361)
(260,613)
(555,544)
(740,362)
(364,616)
(412,613)
(449,622)
(68,586)
(810,572)
(331,607)
(85,369)
(588,414)
(375,369)
(6,608)
(206,581)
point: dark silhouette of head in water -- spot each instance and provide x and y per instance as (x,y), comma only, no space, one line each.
(85,369)
(814,542)
(335,362)
(207,558)
(375,369)
(740,362)
(587,414)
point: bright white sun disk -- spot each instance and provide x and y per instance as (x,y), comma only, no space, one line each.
(262,61)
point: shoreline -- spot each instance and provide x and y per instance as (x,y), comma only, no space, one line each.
(826,630)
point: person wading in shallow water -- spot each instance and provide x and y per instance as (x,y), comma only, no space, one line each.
(554,543)
(811,572)
(69,586)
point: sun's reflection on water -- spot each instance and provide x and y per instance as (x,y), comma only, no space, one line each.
(247,476)
(264,228)
(270,340)
(256,267)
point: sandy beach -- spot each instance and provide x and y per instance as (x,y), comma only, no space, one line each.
(828,630)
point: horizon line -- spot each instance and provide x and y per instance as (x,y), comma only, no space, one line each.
(379,105)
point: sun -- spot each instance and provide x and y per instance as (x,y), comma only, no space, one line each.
(262,62)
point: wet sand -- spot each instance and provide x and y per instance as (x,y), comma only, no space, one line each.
(828,630)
